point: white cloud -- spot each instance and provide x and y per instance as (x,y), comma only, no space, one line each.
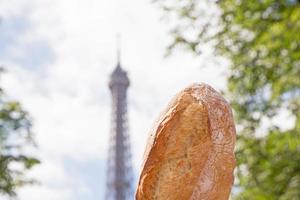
(45,193)
(12,7)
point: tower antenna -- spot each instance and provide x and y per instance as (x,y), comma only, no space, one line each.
(119,48)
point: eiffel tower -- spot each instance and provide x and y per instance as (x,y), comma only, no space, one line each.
(119,170)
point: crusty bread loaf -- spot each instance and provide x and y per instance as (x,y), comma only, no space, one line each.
(190,152)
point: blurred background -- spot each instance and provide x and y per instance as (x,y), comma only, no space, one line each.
(55,103)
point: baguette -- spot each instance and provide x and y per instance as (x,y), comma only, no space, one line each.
(190,152)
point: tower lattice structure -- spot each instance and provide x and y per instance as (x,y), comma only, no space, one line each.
(119,169)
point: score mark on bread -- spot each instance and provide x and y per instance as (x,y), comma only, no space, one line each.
(190,153)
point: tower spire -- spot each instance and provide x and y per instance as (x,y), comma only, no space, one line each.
(118,49)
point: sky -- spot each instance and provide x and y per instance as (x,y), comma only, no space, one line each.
(58,56)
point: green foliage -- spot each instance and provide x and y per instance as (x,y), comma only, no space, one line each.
(262,41)
(15,135)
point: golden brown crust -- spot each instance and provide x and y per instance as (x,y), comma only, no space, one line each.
(190,151)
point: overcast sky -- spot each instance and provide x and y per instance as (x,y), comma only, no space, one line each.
(58,55)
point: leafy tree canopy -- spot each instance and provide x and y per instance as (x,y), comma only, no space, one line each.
(262,41)
(15,135)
